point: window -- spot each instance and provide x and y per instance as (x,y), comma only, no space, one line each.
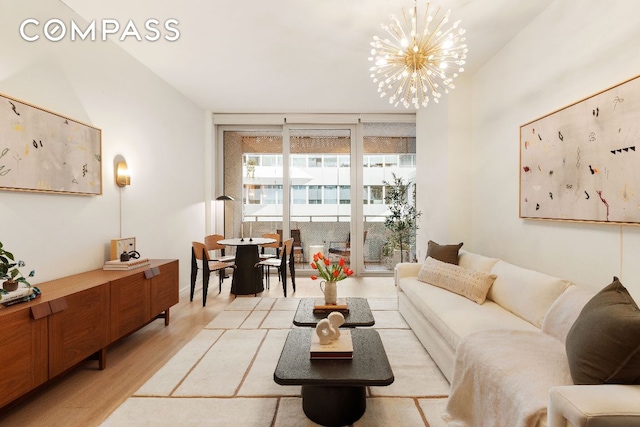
(272,194)
(315,161)
(299,196)
(254,194)
(298,161)
(376,161)
(315,194)
(314,168)
(345,194)
(330,161)
(252,159)
(271,160)
(330,195)
(390,161)
(407,160)
(376,195)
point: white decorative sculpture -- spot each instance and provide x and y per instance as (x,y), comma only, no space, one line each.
(329,329)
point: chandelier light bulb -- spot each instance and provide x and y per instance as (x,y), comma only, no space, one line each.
(410,74)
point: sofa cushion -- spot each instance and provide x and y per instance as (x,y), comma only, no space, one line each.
(564,311)
(526,293)
(471,284)
(454,316)
(476,262)
(603,345)
(444,253)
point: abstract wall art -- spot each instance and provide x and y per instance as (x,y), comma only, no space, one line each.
(46,152)
(582,162)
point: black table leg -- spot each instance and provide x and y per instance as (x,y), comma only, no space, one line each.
(247,279)
(333,406)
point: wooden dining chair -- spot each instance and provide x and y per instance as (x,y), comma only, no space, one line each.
(298,250)
(216,252)
(200,253)
(286,257)
(264,255)
(211,242)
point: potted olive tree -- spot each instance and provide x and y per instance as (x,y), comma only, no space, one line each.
(402,221)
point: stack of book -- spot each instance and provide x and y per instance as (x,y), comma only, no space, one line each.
(116,264)
(342,348)
(321,307)
(23,293)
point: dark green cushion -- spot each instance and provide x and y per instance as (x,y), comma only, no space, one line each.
(444,253)
(603,345)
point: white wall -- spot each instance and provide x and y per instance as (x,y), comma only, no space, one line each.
(445,160)
(158,131)
(573,49)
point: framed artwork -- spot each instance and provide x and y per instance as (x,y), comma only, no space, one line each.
(46,152)
(582,162)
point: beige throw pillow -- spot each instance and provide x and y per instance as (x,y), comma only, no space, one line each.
(471,284)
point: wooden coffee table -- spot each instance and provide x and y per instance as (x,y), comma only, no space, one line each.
(333,391)
(359,313)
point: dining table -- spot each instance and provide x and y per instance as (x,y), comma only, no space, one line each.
(247,278)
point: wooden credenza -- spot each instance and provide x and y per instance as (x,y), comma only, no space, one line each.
(77,317)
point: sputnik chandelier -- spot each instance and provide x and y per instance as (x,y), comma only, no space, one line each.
(417,62)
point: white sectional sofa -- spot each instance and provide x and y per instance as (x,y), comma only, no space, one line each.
(511,368)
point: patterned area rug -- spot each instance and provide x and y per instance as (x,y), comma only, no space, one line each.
(224,376)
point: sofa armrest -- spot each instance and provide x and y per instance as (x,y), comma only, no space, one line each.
(607,405)
(406,269)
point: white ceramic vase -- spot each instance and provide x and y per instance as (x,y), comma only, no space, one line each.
(330,291)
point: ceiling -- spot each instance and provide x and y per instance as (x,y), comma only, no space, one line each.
(290,56)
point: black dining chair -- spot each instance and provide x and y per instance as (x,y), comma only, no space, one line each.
(264,255)
(286,257)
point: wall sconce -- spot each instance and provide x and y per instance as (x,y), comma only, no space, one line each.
(122,174)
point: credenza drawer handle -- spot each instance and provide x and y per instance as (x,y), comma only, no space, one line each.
(58,305)
(41,310)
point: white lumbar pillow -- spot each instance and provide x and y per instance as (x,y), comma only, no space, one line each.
(471,284)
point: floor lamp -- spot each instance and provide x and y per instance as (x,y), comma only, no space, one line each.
(224,198)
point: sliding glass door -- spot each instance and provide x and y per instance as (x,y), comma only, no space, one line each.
(320,188)
(323,185)
(389,150)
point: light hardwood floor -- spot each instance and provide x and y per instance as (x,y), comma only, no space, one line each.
(86,396)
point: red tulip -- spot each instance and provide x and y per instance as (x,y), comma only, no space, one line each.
(349,272)
(315,257)
(336,273)
(327,262)
(314,277)
(313,265)
(341,262)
